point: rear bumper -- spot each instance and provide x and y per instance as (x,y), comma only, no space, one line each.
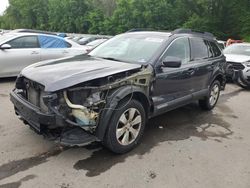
(41,123)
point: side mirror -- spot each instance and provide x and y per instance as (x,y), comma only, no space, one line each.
(5,46)
(172,62)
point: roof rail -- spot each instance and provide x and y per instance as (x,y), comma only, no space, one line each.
(140,29)
(192,31)
(32,31)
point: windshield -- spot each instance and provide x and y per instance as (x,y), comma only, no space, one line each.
(132,48)
(238,50)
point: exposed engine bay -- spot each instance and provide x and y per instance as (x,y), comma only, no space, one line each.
(78,108)
(88,101)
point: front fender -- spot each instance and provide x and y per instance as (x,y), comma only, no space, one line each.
(113,100)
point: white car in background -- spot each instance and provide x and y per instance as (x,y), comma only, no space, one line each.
(18,50)
(238,63)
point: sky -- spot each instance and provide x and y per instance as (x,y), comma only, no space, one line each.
(3,5)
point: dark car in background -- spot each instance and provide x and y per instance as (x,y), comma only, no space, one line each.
(109,94)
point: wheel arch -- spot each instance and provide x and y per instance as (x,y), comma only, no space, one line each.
(221,78)
(124,93)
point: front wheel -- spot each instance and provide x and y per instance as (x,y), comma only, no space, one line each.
(209,102)
(126,127)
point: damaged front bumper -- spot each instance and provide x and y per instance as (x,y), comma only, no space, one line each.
(242,76)
(41,122)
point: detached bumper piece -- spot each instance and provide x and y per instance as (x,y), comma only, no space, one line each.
(40,123)
(76,137)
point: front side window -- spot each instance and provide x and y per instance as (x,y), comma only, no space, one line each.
(52,42)
(199,49)
(24,42)
(179,48)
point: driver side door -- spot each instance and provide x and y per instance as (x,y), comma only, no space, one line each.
(173,86)
(23,52)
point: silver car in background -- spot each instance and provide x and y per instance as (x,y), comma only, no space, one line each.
(238,63)
(18,50)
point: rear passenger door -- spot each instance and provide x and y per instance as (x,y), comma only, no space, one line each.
(207,57)
(202,64)
(53,47)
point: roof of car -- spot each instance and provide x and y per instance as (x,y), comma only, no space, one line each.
(29,34)
(159,33)
(241,44)
(175,32)
(32,31)
(26,33)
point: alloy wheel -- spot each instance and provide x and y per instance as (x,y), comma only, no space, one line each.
(128,126)
(214,95)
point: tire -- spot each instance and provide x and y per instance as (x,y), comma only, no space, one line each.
(209,102)
(122,136)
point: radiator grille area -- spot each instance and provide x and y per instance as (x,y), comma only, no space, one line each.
(34,94)
(236,66)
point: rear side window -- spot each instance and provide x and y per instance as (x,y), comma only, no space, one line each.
(24,42)
(216,52)
(199,48)
(52,42)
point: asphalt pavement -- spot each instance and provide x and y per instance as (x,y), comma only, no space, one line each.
(183,148)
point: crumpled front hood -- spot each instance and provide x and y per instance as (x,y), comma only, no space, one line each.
(63,73)
(237,58)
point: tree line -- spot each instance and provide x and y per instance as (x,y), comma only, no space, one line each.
(224,18)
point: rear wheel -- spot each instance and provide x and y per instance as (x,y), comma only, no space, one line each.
(126,127)
(209,102)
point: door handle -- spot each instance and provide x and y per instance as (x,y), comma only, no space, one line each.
(65,52)
(191,71)
(34,52)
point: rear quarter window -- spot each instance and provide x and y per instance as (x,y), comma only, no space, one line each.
(216,52)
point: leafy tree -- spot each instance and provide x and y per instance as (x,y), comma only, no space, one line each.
(67,15)
(26,13)
(224,18)
(107,6)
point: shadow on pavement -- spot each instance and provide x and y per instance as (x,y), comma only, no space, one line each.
(9,79)
(180,124)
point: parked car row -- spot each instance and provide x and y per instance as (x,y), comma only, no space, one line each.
(22,47)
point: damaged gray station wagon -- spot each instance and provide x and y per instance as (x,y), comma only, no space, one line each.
(109,94)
